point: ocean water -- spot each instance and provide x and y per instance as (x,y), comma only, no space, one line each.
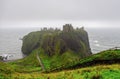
(10,43)
(103,39)
(100,39)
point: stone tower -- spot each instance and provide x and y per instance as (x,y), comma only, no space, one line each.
(67,28)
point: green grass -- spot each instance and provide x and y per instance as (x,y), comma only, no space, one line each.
(57,61)
(50,62)
(105,57)
(95,72)
(6,68)
(65,66)
(27,64)
(68,60)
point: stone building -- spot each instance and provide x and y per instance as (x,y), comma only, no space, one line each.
(67,28)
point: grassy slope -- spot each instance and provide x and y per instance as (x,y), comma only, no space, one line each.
(100,68)
(105,57)
(51,63)
(94,72)
(27,64)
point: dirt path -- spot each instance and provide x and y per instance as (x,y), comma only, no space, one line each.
(40,62)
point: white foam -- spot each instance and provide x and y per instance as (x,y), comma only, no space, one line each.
(97,45)
(96,41)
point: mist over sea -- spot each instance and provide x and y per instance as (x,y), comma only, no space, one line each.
(100,39)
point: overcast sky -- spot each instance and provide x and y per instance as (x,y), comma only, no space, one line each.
(32,13)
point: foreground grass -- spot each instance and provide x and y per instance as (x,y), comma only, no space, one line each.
(94,72)
(50,63)
(64,61)
(104,65)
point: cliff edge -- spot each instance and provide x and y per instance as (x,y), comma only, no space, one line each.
(55,41)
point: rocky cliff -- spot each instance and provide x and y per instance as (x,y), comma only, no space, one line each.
(55,41)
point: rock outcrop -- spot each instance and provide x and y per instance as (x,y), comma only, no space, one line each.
(54,42)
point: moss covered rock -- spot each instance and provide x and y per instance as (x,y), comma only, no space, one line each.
(57,41)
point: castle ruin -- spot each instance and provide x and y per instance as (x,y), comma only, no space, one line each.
(67,28)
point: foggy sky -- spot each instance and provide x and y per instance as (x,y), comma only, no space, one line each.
(95,13)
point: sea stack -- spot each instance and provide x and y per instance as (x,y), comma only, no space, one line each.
(60,41)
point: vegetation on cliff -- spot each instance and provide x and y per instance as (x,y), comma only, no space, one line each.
(64,55)
(55,41)
(56,48)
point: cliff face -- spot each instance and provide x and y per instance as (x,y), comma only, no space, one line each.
(54,42)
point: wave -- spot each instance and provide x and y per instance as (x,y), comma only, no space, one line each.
(96,41)
(97,45)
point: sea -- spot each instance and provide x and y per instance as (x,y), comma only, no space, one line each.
(100,39)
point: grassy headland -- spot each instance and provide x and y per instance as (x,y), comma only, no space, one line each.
(104,65)
(61,54)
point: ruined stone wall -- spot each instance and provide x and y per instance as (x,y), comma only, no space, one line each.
(67,28)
